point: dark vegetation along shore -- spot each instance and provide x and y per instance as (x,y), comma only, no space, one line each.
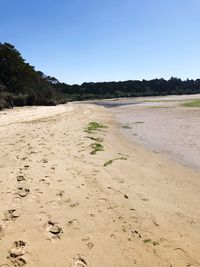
(21,84)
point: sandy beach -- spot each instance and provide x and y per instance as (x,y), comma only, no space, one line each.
(62,206)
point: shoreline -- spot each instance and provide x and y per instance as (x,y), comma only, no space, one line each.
(140,210)
(163,126)
(172,132)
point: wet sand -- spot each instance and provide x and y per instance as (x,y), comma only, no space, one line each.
(62,206)
(164,126)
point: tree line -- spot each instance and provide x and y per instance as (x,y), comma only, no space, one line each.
(155,87)
(21,84)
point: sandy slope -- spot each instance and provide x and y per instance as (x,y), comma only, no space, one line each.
(141,210)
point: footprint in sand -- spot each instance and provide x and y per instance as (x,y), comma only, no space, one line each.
(135,234)
(74,224)
(11,215)
(90,245)
(20,178)
(60,193)
(80,261)
(24,158)
(23,192)
(73,205)
(26,167)
(102,200)
(54,230)
(18,254)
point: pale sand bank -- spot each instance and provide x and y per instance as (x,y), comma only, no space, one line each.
(141,210)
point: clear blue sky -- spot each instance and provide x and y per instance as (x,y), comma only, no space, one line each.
(105,40)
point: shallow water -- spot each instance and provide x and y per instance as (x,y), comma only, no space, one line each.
(172,131)
(162,126)
(112,104)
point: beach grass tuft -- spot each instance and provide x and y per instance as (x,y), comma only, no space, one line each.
(109,162)
(96,147)
(94,126)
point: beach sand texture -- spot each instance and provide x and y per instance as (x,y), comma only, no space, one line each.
(62,206)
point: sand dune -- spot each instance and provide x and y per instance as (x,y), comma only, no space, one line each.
(61,206)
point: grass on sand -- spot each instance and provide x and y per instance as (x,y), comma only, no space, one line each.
(96,147)
(94,126)
(109,162)
(192,104)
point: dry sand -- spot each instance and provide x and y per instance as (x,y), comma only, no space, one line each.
(61,207)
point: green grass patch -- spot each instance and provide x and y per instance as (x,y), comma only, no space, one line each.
(109,162)
(122,158)
(192,104)
(96,147)
(94,126)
